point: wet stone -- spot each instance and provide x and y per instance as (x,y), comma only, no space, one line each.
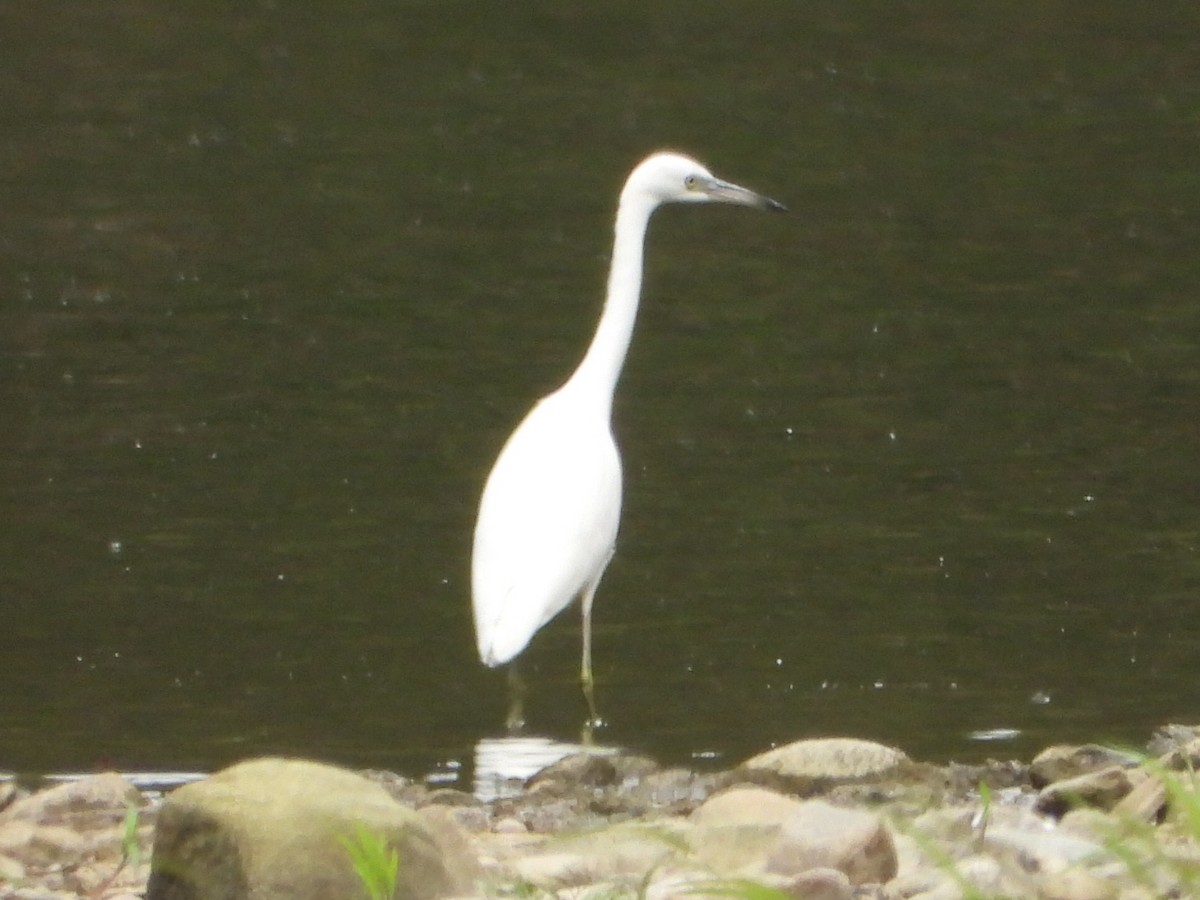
(1101,789)
(1064,761)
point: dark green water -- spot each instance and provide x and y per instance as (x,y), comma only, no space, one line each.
(917,461)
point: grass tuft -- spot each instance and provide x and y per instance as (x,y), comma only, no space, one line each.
(376,862)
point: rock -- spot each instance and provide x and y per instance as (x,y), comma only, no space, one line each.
(274,828)
(1063,761)
(94,801)
(552,870)
(1172,737)
(57,843)
(1147,802)
(818,835)
(1090,824)
(449,836)
(619,852)
(73,831)
(509,825)
(576,770)
(1008,858)
(102,879)
(39,846)
(1041,850)
(543,814)
(672,791)
(471,819)
(1185,757)
(736,830)
(446,797)
(946,889)
(819,884)
(15,835)
(11,869)
(1076,884)
(1101,789)
(684,883)
(806,765)
(8,791)
(917,880)
(745,806)
(984,874)
(405,790)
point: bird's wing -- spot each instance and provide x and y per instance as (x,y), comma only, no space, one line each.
(547,524)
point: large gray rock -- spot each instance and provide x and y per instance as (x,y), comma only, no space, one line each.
(273,828)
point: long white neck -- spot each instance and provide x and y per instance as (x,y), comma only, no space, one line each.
(601,365)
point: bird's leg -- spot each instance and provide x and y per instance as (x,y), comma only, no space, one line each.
(516,700)
(593,720)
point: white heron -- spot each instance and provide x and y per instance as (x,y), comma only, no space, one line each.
(550,509)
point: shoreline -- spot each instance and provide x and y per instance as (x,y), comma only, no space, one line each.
(1016,828)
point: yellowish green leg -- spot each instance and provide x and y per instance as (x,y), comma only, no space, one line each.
(593,720)
(516,700)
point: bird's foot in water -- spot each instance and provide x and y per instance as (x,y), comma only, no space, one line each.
(590,726)
(515,720)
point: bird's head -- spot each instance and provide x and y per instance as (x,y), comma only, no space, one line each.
(675,178)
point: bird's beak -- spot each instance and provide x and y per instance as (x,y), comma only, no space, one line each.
(724,192)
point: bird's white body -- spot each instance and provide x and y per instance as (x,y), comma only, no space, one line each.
(560,462)
(551,507)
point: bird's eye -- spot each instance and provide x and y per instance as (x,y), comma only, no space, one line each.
(690,182)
